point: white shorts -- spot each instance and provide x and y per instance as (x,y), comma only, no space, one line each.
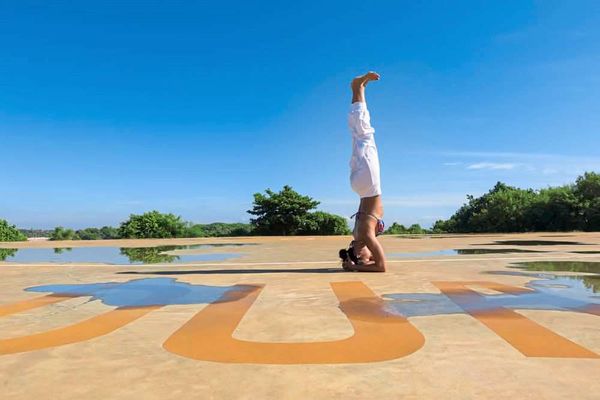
(365,182)
(364,164)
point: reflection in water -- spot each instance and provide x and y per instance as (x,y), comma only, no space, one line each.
(207,245)
(149,255)
(567,266)
(590,281)
(536,243)
(5,253)
(561,293)
(142,292)
(60,250)
(114,255)
(497,251)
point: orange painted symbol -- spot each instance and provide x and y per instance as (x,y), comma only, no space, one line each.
(92,328)
(530,338)
(31,304)
(378,335)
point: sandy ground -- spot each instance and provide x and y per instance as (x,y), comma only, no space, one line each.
(300,332)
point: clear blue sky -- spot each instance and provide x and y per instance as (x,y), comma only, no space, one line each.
(117,107)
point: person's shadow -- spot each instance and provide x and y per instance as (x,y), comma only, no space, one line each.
(238,271)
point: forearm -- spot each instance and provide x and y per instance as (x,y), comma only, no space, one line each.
(377,250)
(368,267)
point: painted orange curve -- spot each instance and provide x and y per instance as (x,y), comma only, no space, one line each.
(85,330)
(378,336)
(36,302)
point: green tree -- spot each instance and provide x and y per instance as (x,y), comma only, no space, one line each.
(60,233)
(9,233)
(587,190)
(283,213)
(440,226)
(322,223)
(554,209)
(152,225)
(591,215)
(587,186)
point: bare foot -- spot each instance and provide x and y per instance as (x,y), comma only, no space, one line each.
(364,79)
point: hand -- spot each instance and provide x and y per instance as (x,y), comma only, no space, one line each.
(348,265)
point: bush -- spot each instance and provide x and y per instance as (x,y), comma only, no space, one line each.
(398,229)
(152,225)
(322,223)
(219,229)
(36,233)
(109,232)
(106,232)
(9,233)
(60,233)
(195,230)
(89,234)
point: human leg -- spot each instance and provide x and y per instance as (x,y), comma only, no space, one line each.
(360,83)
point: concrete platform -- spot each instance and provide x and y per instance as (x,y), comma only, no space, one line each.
(283,321)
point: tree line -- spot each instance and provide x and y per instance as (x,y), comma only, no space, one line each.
(506,208)
(274,213)
(503,209)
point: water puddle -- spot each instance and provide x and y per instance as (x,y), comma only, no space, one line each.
(455,252)
(497,251)
(564,266)
(536,243)
(433,253)
(116,255)
(142,292)
(434,236)
(551,292)
(555,236)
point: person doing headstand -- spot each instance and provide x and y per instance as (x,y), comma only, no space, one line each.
(365,253)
